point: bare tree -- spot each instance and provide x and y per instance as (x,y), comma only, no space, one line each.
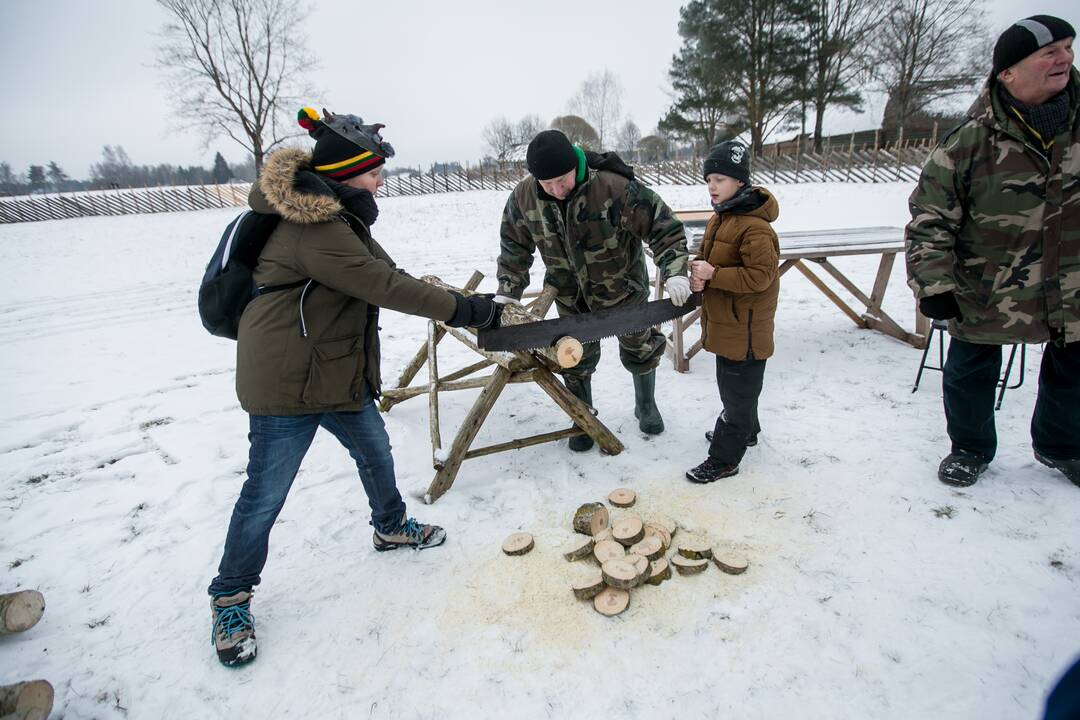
(600,102)
(927,50)
(528,127)
(838,47)
(504,138)
(236,67)
(500,138)
(579,131)
(629,135)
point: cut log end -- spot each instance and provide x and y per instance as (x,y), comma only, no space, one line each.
(730,562)
(578,548)
(606,550)
(659,532)
(641,566)
(20,611)
(518,544)
(686,566)
(568,352)
(628,530)
(590,518)
(588,585)
(611,601)
(649,546)
(659,571)
(694,549)
(623,498)
(620,574)
(30,700)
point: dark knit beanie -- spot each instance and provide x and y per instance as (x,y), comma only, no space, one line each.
(335,156)
(550,155)
(1024,37)
(729,158)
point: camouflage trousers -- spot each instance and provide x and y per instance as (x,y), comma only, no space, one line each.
(639,352)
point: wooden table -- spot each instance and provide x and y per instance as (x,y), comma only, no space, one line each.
(797,249)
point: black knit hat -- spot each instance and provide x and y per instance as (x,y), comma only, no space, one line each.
(729,158)
(335,155)
(1024,37)
(550,155)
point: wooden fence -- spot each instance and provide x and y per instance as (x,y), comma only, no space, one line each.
(900,162)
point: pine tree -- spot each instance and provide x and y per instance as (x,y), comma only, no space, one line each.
(221,172)
(36,176)
(57,176)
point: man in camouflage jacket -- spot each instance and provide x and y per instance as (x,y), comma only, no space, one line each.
(588,217)
(993,247)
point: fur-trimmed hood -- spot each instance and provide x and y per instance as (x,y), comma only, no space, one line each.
(288,187)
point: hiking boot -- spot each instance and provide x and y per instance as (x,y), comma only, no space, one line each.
(645,410)
(1068,468)
(581,388)
(749,443)
(711,470)
(961,469)
(409,534)
(233,632)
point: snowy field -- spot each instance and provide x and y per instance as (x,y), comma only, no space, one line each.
(873,590)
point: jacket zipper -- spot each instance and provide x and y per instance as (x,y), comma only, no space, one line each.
(750,335)
(303,294)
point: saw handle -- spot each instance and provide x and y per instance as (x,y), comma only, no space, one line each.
(568,351)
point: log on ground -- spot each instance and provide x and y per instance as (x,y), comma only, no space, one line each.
(518,544)
(659,571)
(620,574)
(686,566)
(730,562)
(588,584)
(650,546)
(628,530)
(694,548)
(590,518)
(622,497)
(608,550)
(611,601)
(578,548)
(31,700)
(20,610)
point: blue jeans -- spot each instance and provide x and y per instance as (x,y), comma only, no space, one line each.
(278,444)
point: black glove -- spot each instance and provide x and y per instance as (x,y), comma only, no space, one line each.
(940,307)
(478,311)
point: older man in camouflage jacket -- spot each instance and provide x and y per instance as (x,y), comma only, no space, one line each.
(588,217)
(994,247)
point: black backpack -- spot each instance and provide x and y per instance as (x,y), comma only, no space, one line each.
(227,285)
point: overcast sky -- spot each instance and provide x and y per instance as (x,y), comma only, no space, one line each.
(78,75)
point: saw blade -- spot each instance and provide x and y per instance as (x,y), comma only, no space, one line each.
(585,327)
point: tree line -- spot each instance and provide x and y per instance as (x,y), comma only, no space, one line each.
(116,170)
(758,67)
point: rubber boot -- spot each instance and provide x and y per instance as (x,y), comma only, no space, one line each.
(581,388)
(645,410)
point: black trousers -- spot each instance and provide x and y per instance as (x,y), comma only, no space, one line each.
(740,383)
(970,385)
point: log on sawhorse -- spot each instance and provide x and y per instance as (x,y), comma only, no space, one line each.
(538,366)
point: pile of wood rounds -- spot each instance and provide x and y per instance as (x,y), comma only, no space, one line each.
(629,552)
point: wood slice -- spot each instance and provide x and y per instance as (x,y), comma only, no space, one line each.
(659,532)
(659,571)
(590,518)
(619,574)
(606,550)
(588,584)
(686,566)
(578,548)
(611,601)
(730,562)
(604,534)
(641,566)
(623,498)
(568,352)
(694,549)
(518,544)
(27,700)
(628,530)
(650,546)
(20,610)
(665,522)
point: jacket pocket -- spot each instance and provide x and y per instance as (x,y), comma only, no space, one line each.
(333,371)
(720,306)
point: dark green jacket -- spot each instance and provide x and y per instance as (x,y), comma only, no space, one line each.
(995,219)
(591,244)
(326,357)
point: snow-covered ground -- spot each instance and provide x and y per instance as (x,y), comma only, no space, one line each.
(873,592)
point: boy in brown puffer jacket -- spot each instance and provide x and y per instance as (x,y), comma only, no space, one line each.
(738,270)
